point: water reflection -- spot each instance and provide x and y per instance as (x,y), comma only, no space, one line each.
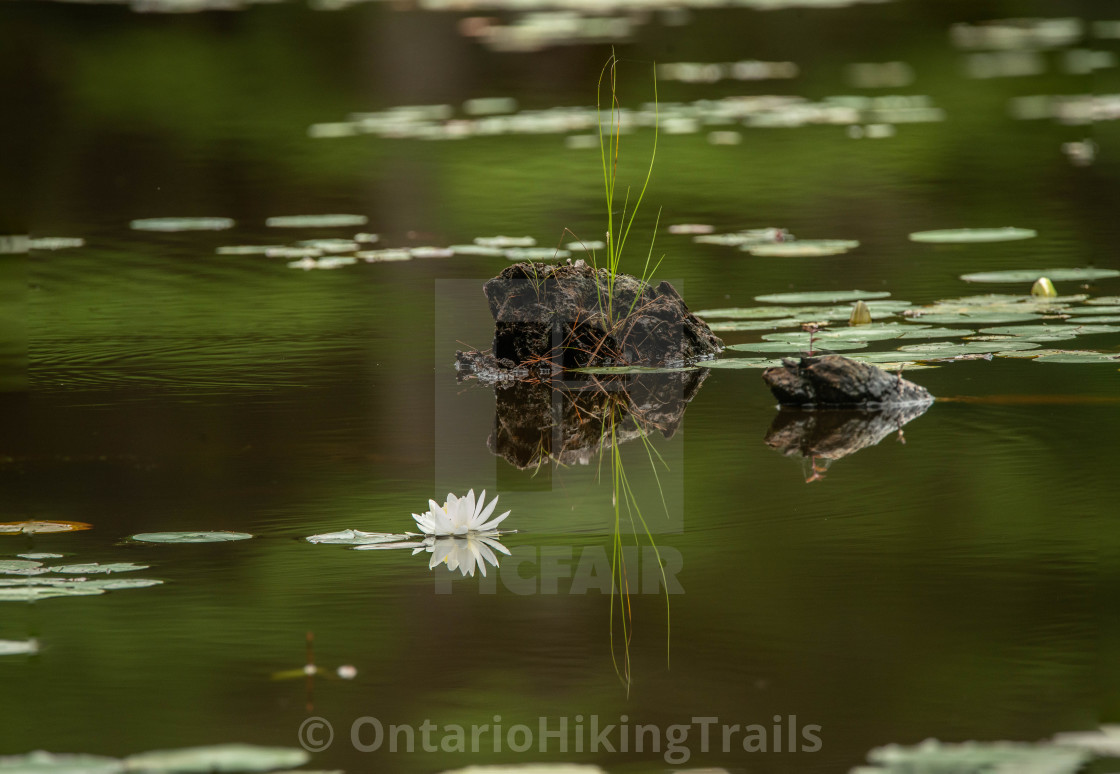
(823,436)
(568,423)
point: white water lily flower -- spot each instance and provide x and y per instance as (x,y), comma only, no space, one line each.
(459,515)
(464,554)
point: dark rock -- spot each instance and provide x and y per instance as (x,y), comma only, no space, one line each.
(569,423)
(834,380)
(574,316)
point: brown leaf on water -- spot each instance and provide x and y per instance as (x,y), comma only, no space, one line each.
(37,527)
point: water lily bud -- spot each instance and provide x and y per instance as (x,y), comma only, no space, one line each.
(1043,287)
(861,314)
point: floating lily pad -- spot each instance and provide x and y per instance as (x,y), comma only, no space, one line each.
(488,252)
(1080,357)
(95,568)
(181,224)
(953,348)
(190,537)
(822,296)
(754,325)
(219,758)
(1104,301)
(803,248)
(966,235)
(742,362)
(935,333)
(39,556)
(978,317)
(41,762)
(691,228)
(933,757)
(1051,332)
(20,567)
(293,252)
(752,312)
(55,243)
(431,252)
(331,245)
(1087,311)
(872,332)
(245,249)
(592,244)
(1030,275)
(355,537)
(383,256)
(39,527)
(752,236)
(535,254)
(17,648)
(504,242)
(316,221)
(787,347)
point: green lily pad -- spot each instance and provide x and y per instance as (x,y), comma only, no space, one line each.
(118,584)
(1080,357)
(872,332)
(891,361)
(383,256)
(1087,311)
(823,296)
(20,567)
(967,235)
(536,254)
(481,250)
(1104,301)
(17,648)
(754,325)
(742,362)
(752,312)
(181,224)
(803,248)
(245,249)
(790,348)
(94,568)
(936,333)
(219,758)
(190,537)
(979,317)
(316,221)
(41,762)
(1030,275)
(39,556)
(953,348)
(356,537)
(933,757)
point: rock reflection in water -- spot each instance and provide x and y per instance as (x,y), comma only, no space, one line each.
(824,435)
(570,422)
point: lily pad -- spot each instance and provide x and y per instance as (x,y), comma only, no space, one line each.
(1050,332)
(316,221)
(872,332)
(789,348)
(219,758)
(40,762)
(978,317)
(482,250)
(190,537)
(1104,301)
(822,296)
(754,325)
(55,243)
(41,527)
(1030,275)
(803,248)
(535,254)
(966,235)
(1080,357)
(1086,311)
(95,568)
(504,242)
(742,362)
(17,648)
(245,249)
(953,348)
(933,757)
(20,567)
(331,245)
(355,537)
(181,224)
(39,556)
(384,256)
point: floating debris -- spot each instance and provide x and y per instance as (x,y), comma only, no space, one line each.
(967,235)
(181,224)
(316,221)
(55,243)
(805,248)
(190,537)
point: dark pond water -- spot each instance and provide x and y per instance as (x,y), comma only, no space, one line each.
(960,585)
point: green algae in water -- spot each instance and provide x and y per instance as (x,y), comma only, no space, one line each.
(190,537)
(1030,275)
(969,235)
(823,296)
